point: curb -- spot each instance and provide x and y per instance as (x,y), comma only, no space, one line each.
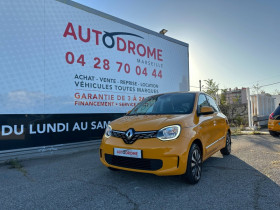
(44,151)
(251,133)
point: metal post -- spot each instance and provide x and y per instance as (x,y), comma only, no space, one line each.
(249,108)
(199,85)
(258,108)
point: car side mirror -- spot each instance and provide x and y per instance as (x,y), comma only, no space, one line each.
(206,110)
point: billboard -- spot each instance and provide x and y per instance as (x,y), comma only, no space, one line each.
(65,66)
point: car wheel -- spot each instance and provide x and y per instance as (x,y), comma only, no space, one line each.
(273,133)
(227,149)
(113,169)
(194,165)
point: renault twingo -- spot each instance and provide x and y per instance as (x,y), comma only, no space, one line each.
(167,134)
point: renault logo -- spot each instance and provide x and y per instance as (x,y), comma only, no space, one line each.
(129,133)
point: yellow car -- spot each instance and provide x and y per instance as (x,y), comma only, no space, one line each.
(167,134)
(274,122)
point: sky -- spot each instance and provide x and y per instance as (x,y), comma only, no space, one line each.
(235,43)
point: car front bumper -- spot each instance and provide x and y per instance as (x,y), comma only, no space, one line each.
(158,157)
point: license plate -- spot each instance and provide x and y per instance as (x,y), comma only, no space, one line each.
(133,153)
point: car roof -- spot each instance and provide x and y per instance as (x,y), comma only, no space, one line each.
(196,92)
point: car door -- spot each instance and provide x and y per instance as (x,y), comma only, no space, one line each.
(206,124)
(219,124)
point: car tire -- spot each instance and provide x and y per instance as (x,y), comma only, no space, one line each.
(194,165)
(113,169)
(227,149)
(273,133)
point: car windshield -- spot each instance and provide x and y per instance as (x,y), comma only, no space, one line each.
(172,103)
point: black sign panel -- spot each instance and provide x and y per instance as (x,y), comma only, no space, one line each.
(31,130)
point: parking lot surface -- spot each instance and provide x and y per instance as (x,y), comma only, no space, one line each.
(247,179)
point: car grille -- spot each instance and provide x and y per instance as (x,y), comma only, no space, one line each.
(134,163)
(136,135)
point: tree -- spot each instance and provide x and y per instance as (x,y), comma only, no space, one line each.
(257,88)
(236,99)
(223,99)
(212,88)
(276,92)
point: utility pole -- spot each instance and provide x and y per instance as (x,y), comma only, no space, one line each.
(199,85)
(249,108)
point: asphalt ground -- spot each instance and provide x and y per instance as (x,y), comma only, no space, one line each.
(247,179)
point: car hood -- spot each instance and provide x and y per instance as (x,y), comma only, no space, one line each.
(151,122)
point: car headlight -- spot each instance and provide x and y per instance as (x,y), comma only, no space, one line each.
(169,133)
(108,131)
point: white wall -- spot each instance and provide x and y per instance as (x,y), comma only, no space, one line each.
(276,100)
(262,104)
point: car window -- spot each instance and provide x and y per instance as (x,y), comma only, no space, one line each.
(277,111)
(202,102)
(172,103)
(213,104)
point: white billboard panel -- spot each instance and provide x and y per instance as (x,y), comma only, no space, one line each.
(57,58)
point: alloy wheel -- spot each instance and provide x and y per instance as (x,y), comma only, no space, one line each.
(196,164)
(228,142)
